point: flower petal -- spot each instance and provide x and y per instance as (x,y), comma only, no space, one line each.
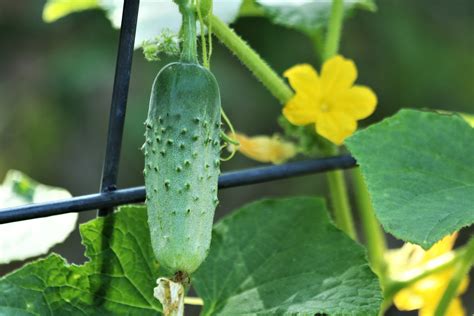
(408,300)
(338,74)
(266,149)
(304,80)
(426,293)
(455,308)
(441,247)
(359,102)
(335,126)
(301,110)
(403,259)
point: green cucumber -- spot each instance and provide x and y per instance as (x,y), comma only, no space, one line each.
(182,158)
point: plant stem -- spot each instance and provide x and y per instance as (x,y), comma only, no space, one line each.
(337,184)
(340,203)
(375,238)
(171,296)
(270,79)
(334,29)
(340,199)
(462,269)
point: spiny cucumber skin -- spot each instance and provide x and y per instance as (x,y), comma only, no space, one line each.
(182,151)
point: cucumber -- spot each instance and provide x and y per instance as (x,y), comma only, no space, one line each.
(182,158)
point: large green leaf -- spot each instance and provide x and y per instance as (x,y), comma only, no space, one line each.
(270,257)
(419,171)
(306,16)
(118,280)
(285,257)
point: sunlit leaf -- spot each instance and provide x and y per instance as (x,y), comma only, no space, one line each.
(118,280)
(468,118)
(56,9)
(34,237)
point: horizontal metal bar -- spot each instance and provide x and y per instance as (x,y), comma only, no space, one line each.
(137,194)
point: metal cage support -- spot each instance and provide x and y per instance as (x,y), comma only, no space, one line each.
(109,196)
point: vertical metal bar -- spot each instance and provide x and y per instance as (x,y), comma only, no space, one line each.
(119,99)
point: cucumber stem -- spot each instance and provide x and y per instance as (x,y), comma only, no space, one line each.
(171,296)
(270,79)
(374,236)
(188,31)
(333,36)
(340,198)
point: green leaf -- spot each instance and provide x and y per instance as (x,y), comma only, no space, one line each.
(55,9)
(419,171)
(31,238)
(307,17)
(118,280)
(123,267)
(46,287)
(270,257)
(284,256)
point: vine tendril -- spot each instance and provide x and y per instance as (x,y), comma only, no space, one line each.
(205,56)
(229,140)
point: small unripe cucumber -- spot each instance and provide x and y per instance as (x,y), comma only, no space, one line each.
(182,164)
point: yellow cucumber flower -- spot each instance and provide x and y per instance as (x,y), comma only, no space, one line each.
(329,101)
(426,293)
(265,149)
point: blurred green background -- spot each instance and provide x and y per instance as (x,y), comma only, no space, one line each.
(56,83)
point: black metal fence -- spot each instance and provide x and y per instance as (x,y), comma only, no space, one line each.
(109,195)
